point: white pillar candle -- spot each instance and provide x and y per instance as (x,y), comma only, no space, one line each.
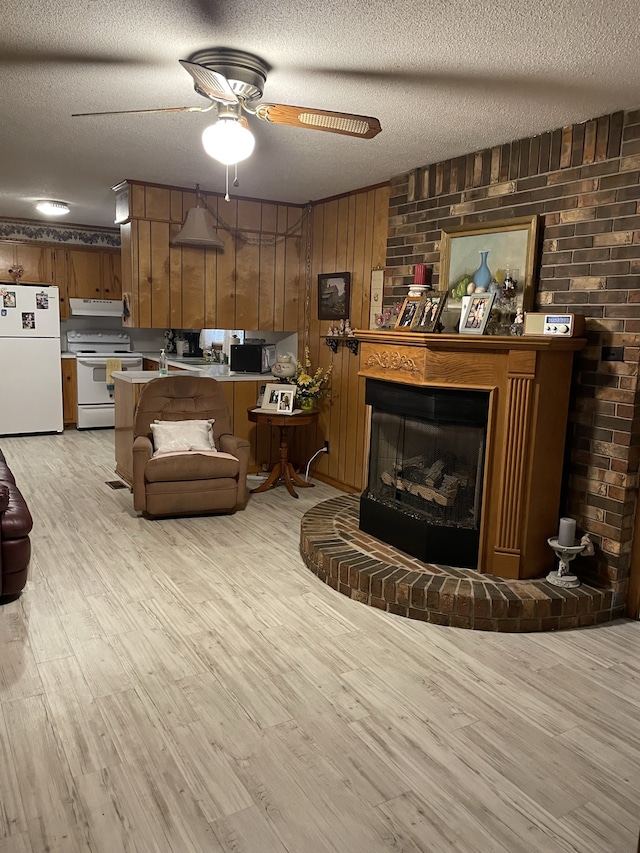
(567,532)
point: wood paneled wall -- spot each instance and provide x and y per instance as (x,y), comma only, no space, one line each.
(348,233)
(253,283)
(265,278)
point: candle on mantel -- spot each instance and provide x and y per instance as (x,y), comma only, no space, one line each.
(567,532)
(420,274)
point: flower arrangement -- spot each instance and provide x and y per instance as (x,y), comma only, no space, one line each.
(311,386)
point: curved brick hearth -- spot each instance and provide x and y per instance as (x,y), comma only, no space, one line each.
(369,571)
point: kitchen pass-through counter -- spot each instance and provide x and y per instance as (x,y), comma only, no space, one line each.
(201,367)
(140,377)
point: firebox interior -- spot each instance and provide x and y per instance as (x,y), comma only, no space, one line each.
(426,470)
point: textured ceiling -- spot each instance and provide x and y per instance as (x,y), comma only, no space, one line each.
(444,78)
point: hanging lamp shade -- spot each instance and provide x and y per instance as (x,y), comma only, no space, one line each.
(198,231)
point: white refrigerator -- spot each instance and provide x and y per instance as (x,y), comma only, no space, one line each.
(30,374)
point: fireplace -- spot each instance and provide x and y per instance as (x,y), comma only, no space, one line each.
(466,446)
(426,470)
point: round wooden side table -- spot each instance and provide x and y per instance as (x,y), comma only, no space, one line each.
(283,469)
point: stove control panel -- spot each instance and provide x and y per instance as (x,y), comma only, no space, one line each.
(560,325)
(98,341)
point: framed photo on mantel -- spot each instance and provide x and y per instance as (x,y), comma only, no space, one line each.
(408,312)
(429,311)
(476,314)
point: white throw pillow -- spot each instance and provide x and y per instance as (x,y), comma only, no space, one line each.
(182,436)
(209,424)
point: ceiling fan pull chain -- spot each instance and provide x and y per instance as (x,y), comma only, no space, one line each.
(236,182)
(226,183)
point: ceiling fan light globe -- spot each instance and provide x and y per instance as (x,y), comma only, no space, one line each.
(227,141)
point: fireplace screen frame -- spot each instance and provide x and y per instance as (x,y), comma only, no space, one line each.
(432,537)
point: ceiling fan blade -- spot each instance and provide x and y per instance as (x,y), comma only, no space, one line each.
(210,84)
(347,124)
(25,55)
(141,112)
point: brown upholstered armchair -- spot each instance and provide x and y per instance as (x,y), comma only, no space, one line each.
(189,483)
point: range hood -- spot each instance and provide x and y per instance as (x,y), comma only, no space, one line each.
(95,307)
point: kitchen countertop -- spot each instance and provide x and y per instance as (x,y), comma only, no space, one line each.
(140,377)
(218,371)
(176,361)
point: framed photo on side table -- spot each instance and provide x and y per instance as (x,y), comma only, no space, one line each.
(408,312)
(429,311)
(476,314)
(272,395)
(285,402)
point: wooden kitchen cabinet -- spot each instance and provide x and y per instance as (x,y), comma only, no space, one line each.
(60,280)
(84,274)
(69,392)
(7,257)
(93,274)
(80,272)
(36,261)
(111,279)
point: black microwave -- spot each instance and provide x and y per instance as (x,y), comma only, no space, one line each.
(252,358)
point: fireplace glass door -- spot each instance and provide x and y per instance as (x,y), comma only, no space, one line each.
(426,466)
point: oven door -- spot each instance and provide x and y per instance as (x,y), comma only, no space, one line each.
(92,378)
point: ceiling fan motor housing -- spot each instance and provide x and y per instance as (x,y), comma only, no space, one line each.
(247,74)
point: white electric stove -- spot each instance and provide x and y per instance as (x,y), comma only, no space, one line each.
(93,348)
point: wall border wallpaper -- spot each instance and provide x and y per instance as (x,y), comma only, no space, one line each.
(41,232)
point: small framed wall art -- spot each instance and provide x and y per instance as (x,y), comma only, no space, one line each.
(334,293)
(476,314)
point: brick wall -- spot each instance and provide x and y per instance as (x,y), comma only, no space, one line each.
(584,182)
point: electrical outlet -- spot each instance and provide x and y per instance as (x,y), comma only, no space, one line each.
(326,446)
(613,353)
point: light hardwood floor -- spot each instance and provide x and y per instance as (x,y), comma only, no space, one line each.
(187,686)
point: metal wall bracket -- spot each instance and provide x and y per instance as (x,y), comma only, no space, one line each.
(352,344)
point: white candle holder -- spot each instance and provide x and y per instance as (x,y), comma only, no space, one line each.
(565,554)
(417,289)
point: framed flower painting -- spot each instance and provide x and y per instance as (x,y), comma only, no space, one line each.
(487,258)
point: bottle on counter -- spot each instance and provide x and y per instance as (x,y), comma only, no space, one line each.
(163,370)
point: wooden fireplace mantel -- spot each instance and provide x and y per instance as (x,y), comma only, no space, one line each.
(528,379)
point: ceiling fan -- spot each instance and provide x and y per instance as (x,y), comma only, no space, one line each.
(234,81)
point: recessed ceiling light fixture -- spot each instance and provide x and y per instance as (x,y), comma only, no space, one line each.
(53,208)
